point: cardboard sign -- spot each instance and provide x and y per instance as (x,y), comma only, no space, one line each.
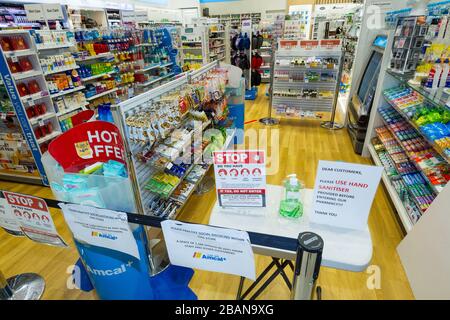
(240,178)
(86,144)
(309,44)
(34,12)
(209,248)
(288,44)
(330,43)
(34,218)
(343,194)
(53,12)
(100,227)
(7,219)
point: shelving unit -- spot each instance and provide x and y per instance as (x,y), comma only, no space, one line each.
(300,90)
(427,160)
(219,46)
(404,214)
(16,86)
(195,46)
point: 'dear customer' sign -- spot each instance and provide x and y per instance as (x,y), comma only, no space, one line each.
(343,194)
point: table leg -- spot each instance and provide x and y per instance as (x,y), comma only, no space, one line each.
(241,285)
(283,274)
(272,277)
(260,277)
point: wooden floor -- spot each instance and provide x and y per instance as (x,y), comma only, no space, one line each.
(302,145)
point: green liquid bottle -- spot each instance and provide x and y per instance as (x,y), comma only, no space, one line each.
(291,206)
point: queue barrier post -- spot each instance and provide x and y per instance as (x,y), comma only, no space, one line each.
(307,266)
(25,286)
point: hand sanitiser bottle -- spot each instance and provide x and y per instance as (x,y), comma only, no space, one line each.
(291,206)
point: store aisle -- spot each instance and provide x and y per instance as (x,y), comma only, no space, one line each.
(302,145)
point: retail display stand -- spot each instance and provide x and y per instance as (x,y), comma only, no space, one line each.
(28,91)
(306,79)
(142,171)
(195,46)
(415,165)
(219,46)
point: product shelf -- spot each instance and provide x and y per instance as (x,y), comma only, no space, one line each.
(63,93)
(97,76)
(98,56)
(402,213)
(437,97)
(43,117)
(104,93)
(27,74)
(434,188)
(49,137)
(155,66)
(19,53)
(35,96)
(437,148)
(61,70)
(66,111)
(411,194)
(145,84)
(54,46)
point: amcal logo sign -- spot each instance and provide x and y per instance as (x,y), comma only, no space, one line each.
(110,272)
(103,235)
(199,255)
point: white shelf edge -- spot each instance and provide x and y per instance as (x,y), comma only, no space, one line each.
(398,204)
(64,112)
(43,117)
(101,94)
(63,93)
(98,56)
(49,137)
(27,74)
(97,76)
(62,70)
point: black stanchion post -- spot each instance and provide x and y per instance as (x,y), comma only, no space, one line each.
(26,286)
(307,265)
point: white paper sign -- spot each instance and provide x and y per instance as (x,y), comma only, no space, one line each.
(128,16)
(34,218)
(209,248)
(101,227)
(141,16)
(7,219)
(53,11)
(343,194)
(240,178)
(34,12)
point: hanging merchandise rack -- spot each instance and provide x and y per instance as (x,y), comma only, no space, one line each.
(306,80)
(162,128)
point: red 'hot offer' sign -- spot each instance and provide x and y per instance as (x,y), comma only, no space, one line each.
(86,144)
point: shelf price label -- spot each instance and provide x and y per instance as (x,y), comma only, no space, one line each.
(309,44)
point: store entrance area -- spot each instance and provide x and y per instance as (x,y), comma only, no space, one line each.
(302,144)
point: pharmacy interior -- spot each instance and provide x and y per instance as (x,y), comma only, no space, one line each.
(206,147)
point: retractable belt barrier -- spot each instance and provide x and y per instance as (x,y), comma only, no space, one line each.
(308,248)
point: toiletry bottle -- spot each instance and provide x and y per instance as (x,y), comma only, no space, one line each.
(291,206)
